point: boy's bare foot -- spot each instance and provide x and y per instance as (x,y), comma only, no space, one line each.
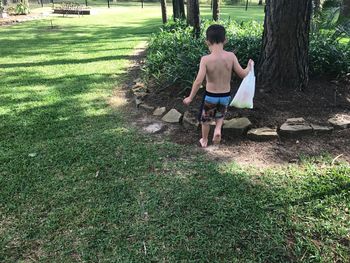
(203,143)
(217,138)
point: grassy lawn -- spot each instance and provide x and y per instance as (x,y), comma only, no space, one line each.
(79,184)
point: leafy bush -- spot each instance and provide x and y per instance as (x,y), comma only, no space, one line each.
(328,56)
(2,8)
(22,8)
(11,10)
(174,54)
(331,3)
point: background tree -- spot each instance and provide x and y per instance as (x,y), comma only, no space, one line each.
(344,14)
(178,9)
(193,15)
(163,7)
(285,48)
(260,2)
(182,9)
(216,12)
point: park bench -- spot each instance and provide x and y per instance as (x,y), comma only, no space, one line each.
(70,8)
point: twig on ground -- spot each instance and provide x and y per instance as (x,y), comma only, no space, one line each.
(144,247)
(333,161)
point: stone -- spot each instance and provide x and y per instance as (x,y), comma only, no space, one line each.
(262,134)
(295,127)
(146,107)
(296,120)
(318,129)
(340,121)
(190,120)
(154,128)
(137,80)
(173,116)
(159,111)
(138,102)
(138,85)
(140,94)
(236,126)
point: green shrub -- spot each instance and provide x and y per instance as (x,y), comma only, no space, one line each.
(174,54)
(22,8)
(331,3)
(327,56)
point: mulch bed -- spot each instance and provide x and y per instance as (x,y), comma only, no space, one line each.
(321,101)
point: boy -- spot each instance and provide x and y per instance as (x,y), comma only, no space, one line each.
(217,67)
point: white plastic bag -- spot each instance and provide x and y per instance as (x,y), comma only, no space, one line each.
(245,94)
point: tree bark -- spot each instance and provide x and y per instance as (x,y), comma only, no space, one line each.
(176,9)
(284,57)
(182,9)
(216,11)
(164,14)
(193,16)
(344,14)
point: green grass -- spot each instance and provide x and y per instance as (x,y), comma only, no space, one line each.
(79,184)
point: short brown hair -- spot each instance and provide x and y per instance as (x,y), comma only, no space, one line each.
(216,34)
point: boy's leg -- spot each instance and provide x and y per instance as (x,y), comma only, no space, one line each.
(205,132)
(217,131)
(220,114)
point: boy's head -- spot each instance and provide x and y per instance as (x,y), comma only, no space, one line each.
(216,34)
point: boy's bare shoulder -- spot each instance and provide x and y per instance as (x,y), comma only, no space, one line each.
(231,54)
(205,57)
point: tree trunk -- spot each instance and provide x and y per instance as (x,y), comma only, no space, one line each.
(216,12)
(260,2)
(193,16)
(163,7)
(182,9)
(284,58)
(344,14)
(176,9)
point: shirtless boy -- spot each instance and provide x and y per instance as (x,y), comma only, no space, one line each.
(217,67)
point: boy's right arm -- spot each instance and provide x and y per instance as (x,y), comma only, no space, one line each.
(198,82)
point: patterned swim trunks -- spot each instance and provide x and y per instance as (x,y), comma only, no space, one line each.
(214,106)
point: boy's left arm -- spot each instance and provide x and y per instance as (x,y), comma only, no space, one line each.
(198,82)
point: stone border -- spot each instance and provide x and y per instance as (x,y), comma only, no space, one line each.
(239,127)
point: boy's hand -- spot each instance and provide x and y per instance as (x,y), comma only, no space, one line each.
(251,63)
(187,101)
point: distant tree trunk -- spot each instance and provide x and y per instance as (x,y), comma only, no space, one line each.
(216,12)
(344,14)
(163,7)
(260,2)
(284,58)
(176,9)
(182,9)
(193,16)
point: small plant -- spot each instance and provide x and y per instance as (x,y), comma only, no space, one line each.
(2,8)
(22,8)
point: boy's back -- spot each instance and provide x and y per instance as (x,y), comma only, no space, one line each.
(219,66)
